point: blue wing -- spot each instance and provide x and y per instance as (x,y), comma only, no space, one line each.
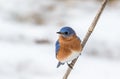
(57,47)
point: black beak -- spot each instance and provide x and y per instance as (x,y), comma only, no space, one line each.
(59,33)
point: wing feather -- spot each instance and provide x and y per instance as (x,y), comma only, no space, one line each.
(57,47)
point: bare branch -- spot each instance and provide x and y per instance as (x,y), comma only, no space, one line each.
(90,30)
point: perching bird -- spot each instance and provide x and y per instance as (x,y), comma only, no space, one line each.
(68,46)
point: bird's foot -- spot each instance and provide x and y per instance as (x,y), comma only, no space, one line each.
(70,66)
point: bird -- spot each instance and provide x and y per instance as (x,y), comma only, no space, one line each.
(68,46)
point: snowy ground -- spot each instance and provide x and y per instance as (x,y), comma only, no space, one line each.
(19,61)
(22,58)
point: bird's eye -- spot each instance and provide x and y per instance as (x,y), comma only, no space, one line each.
(66,33)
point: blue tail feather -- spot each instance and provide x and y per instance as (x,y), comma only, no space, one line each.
(59,63)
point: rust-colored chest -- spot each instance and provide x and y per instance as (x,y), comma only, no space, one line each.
(67,46)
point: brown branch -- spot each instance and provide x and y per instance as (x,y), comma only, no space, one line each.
(90,30)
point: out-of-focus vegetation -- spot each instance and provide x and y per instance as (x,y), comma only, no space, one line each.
(46,13)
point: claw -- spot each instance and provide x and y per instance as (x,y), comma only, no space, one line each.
(70,66)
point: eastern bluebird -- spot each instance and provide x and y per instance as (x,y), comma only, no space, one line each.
(68,46)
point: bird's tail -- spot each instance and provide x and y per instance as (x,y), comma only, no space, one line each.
(59,63)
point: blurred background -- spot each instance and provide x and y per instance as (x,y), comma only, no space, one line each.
(28,34)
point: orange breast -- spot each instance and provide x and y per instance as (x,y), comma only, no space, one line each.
(67,46)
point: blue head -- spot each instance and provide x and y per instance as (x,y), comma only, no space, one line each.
(66,32)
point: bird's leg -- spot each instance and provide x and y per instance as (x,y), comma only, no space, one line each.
(69,65)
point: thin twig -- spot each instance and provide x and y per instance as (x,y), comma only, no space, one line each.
(90,30)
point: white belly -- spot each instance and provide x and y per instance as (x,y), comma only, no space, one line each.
(73,55)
